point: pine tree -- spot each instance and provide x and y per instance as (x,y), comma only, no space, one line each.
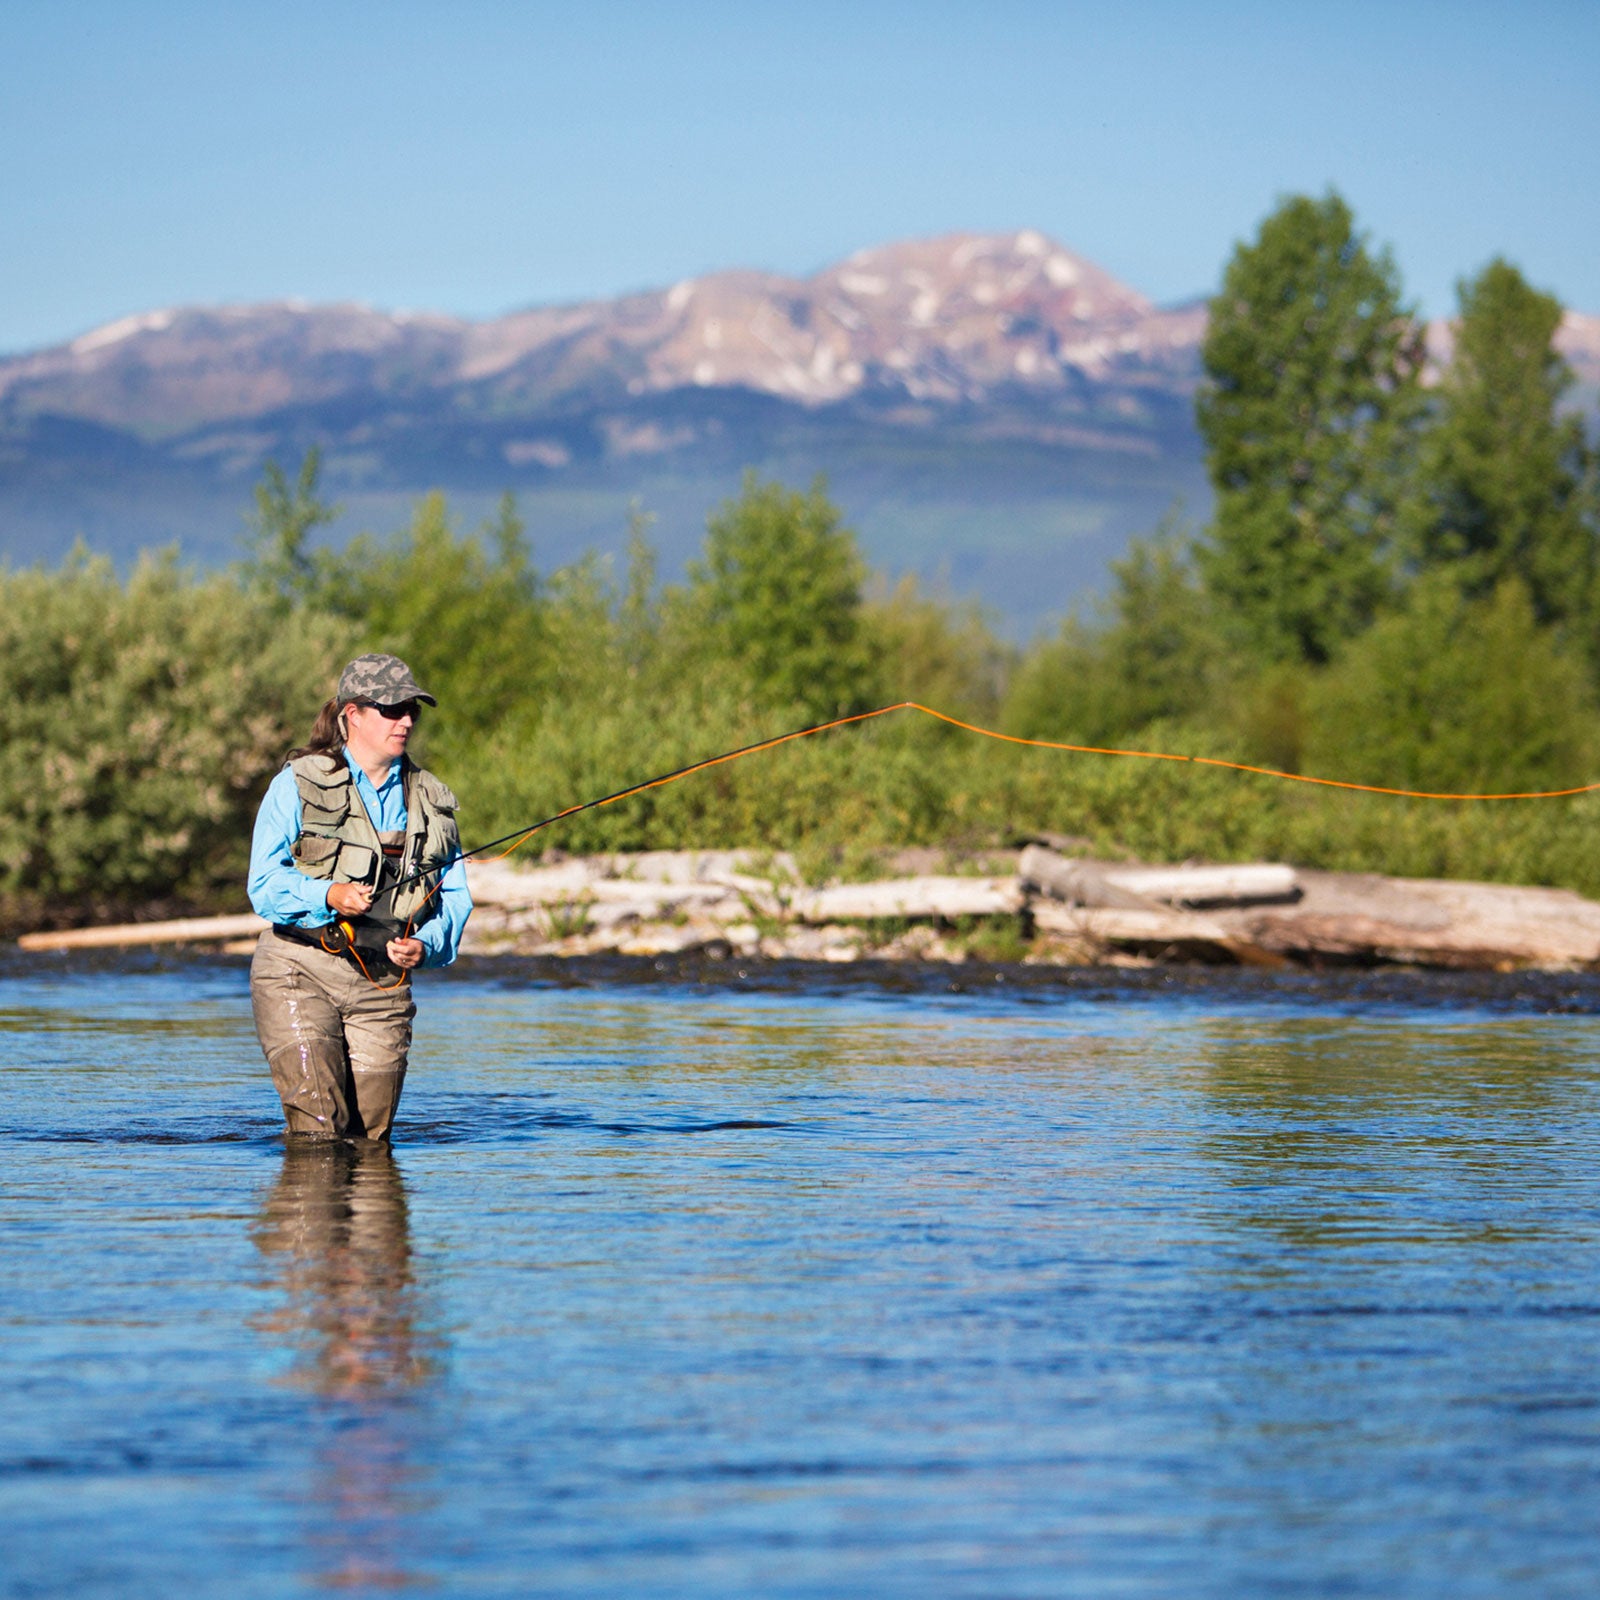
(1312,391)
(1501,485)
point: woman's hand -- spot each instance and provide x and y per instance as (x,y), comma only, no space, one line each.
(349,899)
(405,953)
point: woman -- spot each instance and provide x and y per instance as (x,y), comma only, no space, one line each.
(356,863)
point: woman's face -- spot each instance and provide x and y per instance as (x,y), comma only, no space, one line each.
(378,734)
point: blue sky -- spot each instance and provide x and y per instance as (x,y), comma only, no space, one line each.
(478,156)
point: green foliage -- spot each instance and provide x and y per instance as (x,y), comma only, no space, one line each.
(1500,487)
(464,611)
(1308,409)
(1160,654)
(639,621)
(1457,695)
(279,561)
(778,595)
(941,653)
(569,919)
(141,722)
(997,939)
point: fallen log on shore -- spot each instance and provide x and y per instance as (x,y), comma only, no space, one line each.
(945,899)
(1076,882)
(182,930)
(1097,883)
(1160,934)
(1358,917)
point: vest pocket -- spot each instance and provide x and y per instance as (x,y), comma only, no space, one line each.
(314,814)
(316,855)
(357,864)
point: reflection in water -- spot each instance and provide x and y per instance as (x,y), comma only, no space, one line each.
(1351,1136)
(1390,1239)
(334,1228)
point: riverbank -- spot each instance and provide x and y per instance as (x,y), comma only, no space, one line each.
(1050,908)
(1042,906)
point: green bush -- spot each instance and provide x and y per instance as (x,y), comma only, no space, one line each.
(141,721)
(1158,653)
(1447,694)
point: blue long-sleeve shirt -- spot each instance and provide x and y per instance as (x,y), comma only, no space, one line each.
(281,892)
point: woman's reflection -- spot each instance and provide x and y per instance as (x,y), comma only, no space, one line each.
(333,1226)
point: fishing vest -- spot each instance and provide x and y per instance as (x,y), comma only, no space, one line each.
(339,844)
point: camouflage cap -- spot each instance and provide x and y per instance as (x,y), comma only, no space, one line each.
(382,680)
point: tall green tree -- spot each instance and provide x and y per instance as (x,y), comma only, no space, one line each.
(778,595)
(1501,487)
(639,615)
(1311,393)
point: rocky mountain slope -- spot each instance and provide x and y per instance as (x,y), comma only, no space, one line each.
(963,320)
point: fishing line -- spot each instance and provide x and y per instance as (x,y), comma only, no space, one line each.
(520,836)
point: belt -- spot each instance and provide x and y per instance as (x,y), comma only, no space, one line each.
(313,938)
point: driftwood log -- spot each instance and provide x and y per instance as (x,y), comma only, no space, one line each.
(1097,883)
(1358,917)
(1075,882)
(1161,933)
(183,930)
(1258,883)
(945,899)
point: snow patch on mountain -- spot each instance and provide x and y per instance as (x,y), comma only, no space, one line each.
(123,328)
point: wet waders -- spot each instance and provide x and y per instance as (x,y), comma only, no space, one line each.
(336,1042)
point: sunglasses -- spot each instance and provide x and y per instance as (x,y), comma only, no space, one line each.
(406,708)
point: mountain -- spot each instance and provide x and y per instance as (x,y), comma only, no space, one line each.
(968,319)
(994,410)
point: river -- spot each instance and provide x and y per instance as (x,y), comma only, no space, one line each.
(694,1281)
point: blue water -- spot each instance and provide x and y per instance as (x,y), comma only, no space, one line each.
(1207,1286)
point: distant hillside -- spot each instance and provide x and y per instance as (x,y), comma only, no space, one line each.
(990,408)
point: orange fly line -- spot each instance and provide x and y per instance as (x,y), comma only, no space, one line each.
(522,836)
